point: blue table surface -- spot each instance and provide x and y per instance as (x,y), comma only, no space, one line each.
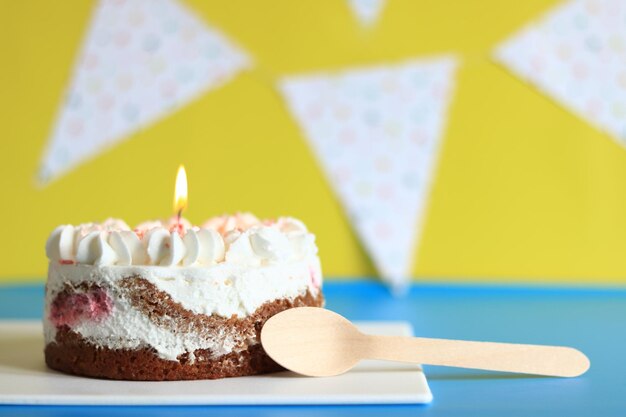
(590,319)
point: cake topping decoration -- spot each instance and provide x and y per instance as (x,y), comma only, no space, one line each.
(271,244)
(239,250)
(175,250)
(238,239)
(60,244)
(225,224)
(94,250)
(127,247)
(157,242)
(204,246)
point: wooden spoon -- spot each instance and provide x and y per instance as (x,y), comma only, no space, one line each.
(317,342)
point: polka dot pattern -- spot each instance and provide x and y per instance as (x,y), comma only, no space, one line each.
(576,54)
(140,60)
(376,133)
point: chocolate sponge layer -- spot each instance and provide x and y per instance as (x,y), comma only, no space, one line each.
(72,354)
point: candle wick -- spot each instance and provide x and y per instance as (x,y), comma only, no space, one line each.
(178,216)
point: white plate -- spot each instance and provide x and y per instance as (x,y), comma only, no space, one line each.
(24,379)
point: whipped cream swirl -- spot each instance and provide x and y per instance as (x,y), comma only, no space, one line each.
(240,239)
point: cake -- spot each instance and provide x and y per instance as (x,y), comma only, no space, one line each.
(171,301)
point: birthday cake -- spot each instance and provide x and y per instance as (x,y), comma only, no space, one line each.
(171,301)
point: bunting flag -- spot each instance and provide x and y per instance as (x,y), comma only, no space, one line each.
(367,11)
(576,54)
(139,62)
(376,133)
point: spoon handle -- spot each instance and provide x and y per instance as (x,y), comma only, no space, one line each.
(506,357)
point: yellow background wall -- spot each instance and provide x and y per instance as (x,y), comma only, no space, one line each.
(524,190)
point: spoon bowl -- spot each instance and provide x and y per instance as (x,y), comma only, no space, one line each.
(326,344)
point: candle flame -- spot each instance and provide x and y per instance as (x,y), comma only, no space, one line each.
(180,192)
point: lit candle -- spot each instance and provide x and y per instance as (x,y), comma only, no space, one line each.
(180,194)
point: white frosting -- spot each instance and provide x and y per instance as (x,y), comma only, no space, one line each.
(291,225)
(60,244)
(204,247)
(270,244)
(128,248)
(252,244)
(164,248)
(177,250)
(93,249)
(240,250)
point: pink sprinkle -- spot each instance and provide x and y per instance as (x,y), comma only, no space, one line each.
(314,278)
(69,309)
(177,227)
(140,233)
(66,262)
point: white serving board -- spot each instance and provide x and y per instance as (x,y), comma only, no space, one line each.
(25,379)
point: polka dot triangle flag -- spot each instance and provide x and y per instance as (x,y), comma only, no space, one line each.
(576,54)
(376,133)
(139,62)
(367,11)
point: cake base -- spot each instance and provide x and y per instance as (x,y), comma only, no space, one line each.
(71,353)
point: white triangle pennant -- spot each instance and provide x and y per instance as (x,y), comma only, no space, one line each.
(576,54)
(367,11)
(376,133)
(139,62)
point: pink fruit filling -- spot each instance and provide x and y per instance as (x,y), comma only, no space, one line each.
(68,309)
